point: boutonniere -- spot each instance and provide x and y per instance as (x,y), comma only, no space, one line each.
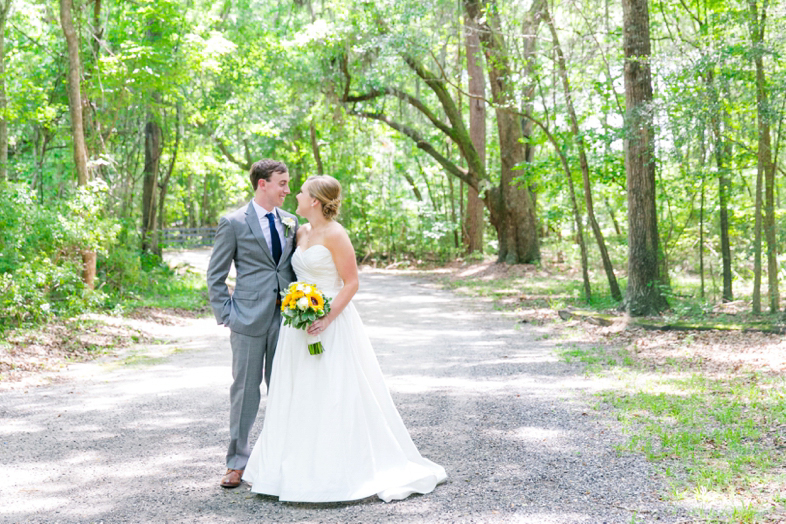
(289,223)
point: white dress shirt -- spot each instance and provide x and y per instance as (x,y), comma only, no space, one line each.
(264,223)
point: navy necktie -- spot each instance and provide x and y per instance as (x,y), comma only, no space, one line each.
(274,238)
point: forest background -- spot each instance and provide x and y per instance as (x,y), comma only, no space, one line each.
(604,155)
(457,129)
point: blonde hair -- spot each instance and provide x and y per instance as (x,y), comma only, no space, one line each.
(327,190)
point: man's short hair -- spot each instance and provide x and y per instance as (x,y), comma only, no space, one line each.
(264,169)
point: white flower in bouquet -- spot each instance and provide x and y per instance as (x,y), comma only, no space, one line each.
(303,304)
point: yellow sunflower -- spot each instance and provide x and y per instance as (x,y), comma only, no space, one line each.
(285,303)
(316,301)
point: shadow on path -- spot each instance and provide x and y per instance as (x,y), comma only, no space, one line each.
(484,398)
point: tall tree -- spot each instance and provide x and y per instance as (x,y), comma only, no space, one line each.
(74,90)
(529,31)
(77,128)
(518,233)
(721,120)
(765,167)
(513,218)
(477,129)
(643,295)
(5,9)
(164,183)
(583,163)
(720,125)
(153,149)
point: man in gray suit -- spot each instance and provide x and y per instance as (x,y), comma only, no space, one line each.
(260,240)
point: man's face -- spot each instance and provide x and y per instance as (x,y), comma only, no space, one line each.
(274,191)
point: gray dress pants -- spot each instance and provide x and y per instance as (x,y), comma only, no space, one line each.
(252,360)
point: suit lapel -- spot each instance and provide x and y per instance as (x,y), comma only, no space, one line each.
(252,219)
(290,235)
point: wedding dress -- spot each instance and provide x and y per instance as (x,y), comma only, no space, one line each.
(331,430)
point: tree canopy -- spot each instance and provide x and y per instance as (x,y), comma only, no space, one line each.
(177,99)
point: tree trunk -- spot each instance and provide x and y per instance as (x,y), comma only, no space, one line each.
(756,299)
(149,183)
(513,215)
(77,127)
(580,237)
(164,185)
(604,254)
(189,203)
(513,212)
(529,31)
(701,228)
(153,150)
(414,186)
(203,211)
(74,95)
(315,148)
(477,131)
(764,170)
(724,194)
(721,120)
(98,31)
(453,218)
(643,295)
(92,122)
(5,8)
(613,217)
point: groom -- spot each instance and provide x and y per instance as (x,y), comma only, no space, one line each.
(260,240)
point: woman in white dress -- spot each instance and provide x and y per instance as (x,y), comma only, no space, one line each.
(331,431)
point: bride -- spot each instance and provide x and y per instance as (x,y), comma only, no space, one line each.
(331,430)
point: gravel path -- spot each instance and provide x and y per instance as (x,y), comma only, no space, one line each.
(142,438)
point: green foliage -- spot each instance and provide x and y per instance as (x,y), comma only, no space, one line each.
(260,78)
(719,430)
(41,252)
(713,437)
(158,286)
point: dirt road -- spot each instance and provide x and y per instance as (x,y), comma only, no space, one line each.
(142,438)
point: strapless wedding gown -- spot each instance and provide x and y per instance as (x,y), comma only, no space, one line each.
(331,430)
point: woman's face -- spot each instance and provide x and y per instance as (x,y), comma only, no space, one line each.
(304,201)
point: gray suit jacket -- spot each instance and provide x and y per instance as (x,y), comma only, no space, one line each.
(239,239)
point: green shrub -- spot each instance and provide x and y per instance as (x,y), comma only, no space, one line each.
(41,247)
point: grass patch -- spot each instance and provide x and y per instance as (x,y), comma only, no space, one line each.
(184,292)
(138,360)
(718,440)
(597,359)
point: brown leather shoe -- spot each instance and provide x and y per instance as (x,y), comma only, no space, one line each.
(232,478)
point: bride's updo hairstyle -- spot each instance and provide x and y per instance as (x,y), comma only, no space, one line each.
(327,190)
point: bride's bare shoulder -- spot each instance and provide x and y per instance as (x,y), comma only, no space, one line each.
(336,236)
(336,228)
(303,231)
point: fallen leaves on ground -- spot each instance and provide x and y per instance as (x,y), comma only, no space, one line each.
(53,346)
(712,352)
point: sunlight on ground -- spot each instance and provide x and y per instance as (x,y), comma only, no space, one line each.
(11,427)
(533,434)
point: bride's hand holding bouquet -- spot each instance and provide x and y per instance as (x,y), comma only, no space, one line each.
(303,305)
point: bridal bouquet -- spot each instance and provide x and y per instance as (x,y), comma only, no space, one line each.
(302,304)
